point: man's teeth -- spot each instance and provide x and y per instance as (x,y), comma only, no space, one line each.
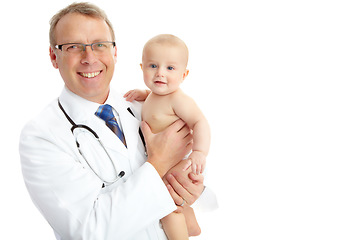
(90,75)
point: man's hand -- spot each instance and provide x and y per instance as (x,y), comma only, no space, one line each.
(167,148)
(184,185)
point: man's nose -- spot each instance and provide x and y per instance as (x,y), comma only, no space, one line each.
(88,56)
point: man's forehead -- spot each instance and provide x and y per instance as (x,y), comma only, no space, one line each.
(79,27)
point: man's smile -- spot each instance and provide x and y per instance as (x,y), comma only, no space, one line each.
(89,75)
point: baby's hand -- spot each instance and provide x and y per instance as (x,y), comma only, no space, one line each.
(198,160)
(136,94)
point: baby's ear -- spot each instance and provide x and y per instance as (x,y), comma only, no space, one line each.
(185,74)
(141,65)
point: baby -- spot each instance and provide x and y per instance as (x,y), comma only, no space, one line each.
(164,63)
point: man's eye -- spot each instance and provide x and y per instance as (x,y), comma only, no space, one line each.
(73,47)
(100,45)
(170,68)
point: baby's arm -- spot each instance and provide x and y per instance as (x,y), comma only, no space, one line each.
(186,108)
(137,94)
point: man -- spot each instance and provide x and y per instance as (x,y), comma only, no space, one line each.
(87,189)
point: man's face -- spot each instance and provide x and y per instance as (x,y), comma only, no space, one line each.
(87,74)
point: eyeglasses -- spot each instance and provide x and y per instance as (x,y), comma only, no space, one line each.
(75,48)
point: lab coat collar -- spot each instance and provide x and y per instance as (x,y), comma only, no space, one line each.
(82,111)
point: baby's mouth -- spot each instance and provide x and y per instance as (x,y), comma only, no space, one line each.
(159,82)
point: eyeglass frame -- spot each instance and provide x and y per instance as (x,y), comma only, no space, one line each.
(59,46)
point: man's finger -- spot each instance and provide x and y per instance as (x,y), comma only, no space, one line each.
(196,178)
(178,125)
(145,128)
(181,187)
(177,199)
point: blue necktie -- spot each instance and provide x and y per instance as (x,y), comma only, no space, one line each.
(105,113)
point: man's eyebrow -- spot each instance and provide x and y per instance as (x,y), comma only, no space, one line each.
(95,41)
(101,40)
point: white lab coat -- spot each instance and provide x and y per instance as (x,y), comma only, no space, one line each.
(68,193)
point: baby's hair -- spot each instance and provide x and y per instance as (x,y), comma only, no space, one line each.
(168,39)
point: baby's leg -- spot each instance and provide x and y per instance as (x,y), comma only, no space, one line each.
(180,225)
(193,227)
(174,226)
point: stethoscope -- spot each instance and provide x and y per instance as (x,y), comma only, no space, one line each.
(87,128)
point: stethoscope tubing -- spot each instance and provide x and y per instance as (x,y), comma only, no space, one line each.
(75,126)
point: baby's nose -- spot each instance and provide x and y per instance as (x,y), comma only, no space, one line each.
(160,72)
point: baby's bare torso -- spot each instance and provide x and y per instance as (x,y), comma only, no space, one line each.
(157,111)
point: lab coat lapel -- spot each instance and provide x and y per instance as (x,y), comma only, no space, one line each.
(108,137)
(129,124)
(131,127)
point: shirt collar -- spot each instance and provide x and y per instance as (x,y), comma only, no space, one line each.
(81,110)
(78,108)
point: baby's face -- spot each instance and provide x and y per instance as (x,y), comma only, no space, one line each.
(164,67)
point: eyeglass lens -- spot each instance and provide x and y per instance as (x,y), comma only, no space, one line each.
(99,47)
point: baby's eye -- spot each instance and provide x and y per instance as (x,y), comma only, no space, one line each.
(153,66)
(170,68)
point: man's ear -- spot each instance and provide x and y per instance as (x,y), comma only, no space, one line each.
(115,55)
(53,57)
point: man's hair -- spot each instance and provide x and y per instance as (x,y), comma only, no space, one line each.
(83,8)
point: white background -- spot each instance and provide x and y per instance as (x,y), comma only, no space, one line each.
(277,80)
